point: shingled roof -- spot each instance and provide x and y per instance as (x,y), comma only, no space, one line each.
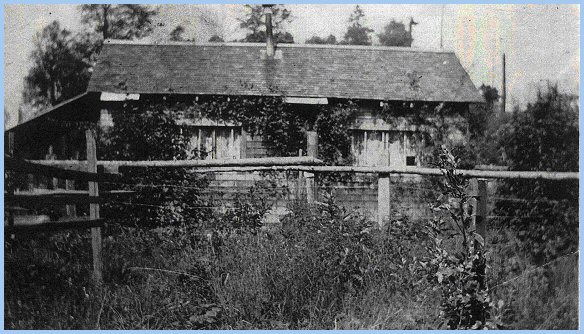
(377,73)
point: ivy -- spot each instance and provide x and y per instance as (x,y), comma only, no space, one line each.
(439,123)
(282,126)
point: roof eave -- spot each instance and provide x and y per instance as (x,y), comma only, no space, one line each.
(470,100)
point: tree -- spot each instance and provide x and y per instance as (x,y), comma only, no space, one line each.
(395,34)
(61,66)
(543,137)
(482,114)
(176,34)
(254,23)
(331,39)
(485,126)
(62,61)
(357,33)
(119,21)
(216,39)
(490,94)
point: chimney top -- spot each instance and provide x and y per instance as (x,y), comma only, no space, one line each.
(269,33)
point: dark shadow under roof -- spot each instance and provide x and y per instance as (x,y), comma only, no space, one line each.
(377,73)
(57,120)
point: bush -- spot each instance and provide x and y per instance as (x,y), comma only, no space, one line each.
(544,136)
(298,272)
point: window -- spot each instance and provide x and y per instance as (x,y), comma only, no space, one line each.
(208,142)
(411,160)
(383,148)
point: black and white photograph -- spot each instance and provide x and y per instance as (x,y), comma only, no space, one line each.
(291,166)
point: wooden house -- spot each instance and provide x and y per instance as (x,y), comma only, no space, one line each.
(303,75)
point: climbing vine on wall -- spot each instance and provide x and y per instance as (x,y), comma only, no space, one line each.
(438,123)
(283,126)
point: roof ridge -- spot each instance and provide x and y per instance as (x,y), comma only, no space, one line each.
(279,45)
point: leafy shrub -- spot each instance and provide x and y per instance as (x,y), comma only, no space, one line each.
(297,272)
(457,263)
(250,208)
(149,131)
(544,136)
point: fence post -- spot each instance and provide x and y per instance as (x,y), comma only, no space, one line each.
(71,209)
(11,186)
(243,144)
(383,198)
(312,151)
(481,208)
(96,243)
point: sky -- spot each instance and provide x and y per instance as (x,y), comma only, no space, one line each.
(541,42)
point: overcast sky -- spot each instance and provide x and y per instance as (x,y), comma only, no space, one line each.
(541,42)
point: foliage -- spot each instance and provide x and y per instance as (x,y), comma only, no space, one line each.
(459,269)
(322,267)
(254,24)
(144,131)
(334,135)
(301,270)
(216,39)
(531,296)
(250,208)
(63,61)
(357,33)
(439,124)
(61,67)
(395,34)
(481,115)
(544,136)
(176,34)
(282,126)
(331,39)
(122,21)
(486,124)
(268,116)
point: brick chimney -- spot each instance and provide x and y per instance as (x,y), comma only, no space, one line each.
(269,32)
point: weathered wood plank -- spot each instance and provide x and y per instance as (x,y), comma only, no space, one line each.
(49,200)
(526,175)
(57,225)
(272,161)
(96,243)
(37,199)
(383,199)
(45,169)
(481,208)
(307,164)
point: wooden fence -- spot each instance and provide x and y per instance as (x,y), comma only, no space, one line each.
(14,201)
(86,171)
(308,166)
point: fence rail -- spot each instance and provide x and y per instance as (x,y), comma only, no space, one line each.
(302,164)
(31,224)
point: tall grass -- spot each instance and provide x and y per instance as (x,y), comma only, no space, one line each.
(321,268)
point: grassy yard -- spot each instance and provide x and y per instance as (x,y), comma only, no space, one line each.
(321,268)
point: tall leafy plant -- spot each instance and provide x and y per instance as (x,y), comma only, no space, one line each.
(457,264)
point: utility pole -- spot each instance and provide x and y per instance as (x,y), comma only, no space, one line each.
(504,88)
